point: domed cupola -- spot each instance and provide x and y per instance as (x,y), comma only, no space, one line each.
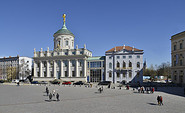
(63,38)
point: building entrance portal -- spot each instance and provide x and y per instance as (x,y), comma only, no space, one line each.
(95,75)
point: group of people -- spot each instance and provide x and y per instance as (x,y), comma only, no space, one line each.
(52,94)
(146,89)
(160,100)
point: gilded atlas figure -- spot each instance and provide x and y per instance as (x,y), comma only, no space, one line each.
(64,17)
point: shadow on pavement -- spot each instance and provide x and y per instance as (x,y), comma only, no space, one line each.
(179,91)
(152,104)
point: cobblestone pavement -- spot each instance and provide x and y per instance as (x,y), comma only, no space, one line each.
(33,99)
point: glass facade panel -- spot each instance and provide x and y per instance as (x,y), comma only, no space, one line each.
(95,64)
(95,75)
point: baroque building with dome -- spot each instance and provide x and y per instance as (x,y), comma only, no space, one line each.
(64,62)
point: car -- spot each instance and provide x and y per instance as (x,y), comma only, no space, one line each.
(66,83)
(78,83)
(104,83)
(55,82)
(34,82)
(43,82)
(1,81)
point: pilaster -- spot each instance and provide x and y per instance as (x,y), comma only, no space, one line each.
(61,68)
(35,69)
(47,69)
(41,73)
(76,71)
(69,68)
(54,69)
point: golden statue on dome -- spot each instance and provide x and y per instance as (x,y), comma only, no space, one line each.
(64,16)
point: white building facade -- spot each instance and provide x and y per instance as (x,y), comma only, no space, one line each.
(177,58)
(124,64)
(15,67)
(64,62)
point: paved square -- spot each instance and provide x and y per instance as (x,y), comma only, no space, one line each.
(32,99)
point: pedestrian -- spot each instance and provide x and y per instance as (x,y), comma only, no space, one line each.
(161,100)
(158,99)
(46,88)
(47,92)
(50,96)
(153,90)
(100,90)
(109,86)
(53,92)
(57,96)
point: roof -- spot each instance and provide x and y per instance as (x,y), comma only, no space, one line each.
(119,48)
(97,58)
(64,31)
(178,34)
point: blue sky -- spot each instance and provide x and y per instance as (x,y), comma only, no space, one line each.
(100,24)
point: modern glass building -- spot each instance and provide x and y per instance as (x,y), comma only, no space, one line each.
(95,70)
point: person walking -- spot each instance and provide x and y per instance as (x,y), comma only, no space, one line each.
(50,96)
(57,96)
(153,90)
(161,100)
(46,88)
(47,92)
(53,92)
(158,99)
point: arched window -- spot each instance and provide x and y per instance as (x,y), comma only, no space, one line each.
(130,64)
(138,65)
(118,65)
(110,65)
(124,64)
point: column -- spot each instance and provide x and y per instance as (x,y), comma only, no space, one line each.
(47,69)
(85,65)
(76,71)
(54,69)
(35,69)
(61,69)
(41,75)
(69,68)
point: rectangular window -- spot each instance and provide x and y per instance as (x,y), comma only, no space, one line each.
(180,62)
(81,74)
(110,74)
(51,73)
(130,74)
(118,75)
(174,63)
(73,73)
(118,57)
(130,56)
(174,47)
(180,45)
(138,56)
(66,74)
(124,74)
(124,57)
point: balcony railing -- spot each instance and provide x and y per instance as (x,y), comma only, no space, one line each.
(123,68)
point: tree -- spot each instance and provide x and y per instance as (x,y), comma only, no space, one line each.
(11,73)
